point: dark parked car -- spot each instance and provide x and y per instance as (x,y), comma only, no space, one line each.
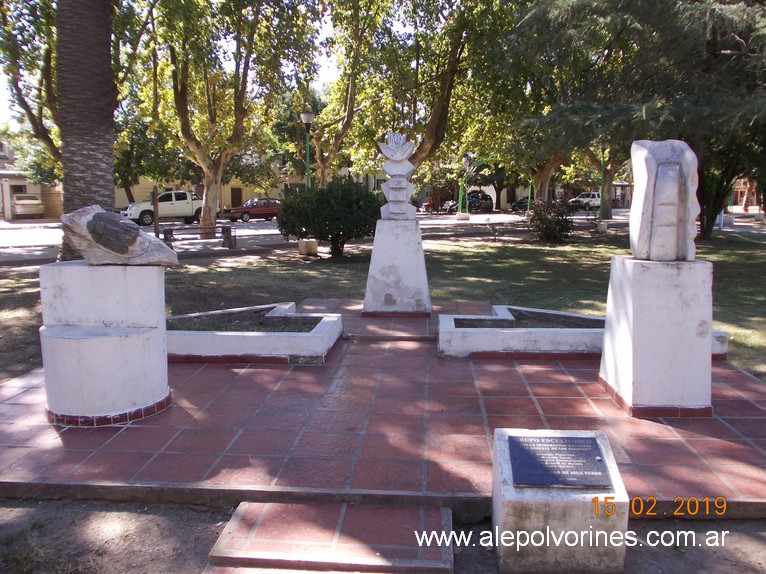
(520,204)
(479,202)
(258,207)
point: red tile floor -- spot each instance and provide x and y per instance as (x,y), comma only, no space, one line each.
(384,419)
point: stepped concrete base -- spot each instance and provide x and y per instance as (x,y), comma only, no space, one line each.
(103,342)
(336,537)
(397,282)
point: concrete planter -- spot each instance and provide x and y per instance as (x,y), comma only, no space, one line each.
(240,346)
(467,335)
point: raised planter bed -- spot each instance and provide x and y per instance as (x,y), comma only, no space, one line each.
(523,331)
(285,337)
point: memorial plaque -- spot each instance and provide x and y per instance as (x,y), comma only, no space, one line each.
(561,461)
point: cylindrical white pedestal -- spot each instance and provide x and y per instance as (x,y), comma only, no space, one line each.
(103,342)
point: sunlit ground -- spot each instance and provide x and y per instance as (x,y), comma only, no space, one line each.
(512,271)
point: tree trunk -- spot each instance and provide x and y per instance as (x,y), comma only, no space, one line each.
(211,179)
(436,128)
(606,186)
(608,179)
(325,158)
(543,173)
(86,102)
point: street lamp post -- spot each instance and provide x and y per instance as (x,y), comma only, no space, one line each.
(602,211)
(307,117)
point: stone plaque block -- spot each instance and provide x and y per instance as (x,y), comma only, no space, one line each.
(544,484)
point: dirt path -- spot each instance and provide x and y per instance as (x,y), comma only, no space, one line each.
(68,537)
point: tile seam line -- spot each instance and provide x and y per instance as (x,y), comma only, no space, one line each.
(357,454)
(592,405)
(540,412)
(291,451)
(484,418)
(710,465)
(241,429)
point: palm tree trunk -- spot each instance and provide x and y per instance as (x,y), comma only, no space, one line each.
(86,100)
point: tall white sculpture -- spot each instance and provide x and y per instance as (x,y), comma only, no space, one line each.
(397,283)
(663,216)
(398,189)
(659,309)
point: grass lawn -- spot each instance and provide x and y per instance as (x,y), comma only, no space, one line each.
(514,271)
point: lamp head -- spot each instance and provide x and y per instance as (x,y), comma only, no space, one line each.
(307,117)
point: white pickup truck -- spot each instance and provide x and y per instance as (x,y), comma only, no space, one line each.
(171,204)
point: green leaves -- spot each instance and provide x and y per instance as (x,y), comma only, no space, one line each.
(338,212)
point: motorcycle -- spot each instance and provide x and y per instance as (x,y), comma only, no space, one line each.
(449,206)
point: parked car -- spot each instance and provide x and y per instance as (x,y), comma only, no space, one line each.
(520,204)
(27,205)
(258,207)
(479,202)
(171,205)
(587,200)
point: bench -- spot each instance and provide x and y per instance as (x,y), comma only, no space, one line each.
(227,233)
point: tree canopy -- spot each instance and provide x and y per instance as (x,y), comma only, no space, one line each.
(533,85)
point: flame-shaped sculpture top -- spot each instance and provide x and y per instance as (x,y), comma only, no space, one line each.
(397,147)
(395,140)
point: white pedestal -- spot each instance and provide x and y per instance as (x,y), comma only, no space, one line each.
(397,281)
(308,247)
(103,342)
(557,529)
(658,336)
(77,294)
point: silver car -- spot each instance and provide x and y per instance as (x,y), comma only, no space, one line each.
(588,200)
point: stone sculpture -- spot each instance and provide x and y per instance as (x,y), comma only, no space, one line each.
(398,189)
(659,306)
(105,238)
(663,216)
(397,282)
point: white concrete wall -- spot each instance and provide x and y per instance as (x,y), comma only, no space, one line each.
(75,293)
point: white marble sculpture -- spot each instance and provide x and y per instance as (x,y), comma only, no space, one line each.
(665,207)
(397,281)
(398,189)
(105,238)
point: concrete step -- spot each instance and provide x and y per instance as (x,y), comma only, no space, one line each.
(330,537)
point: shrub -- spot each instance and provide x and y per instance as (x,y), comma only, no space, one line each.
(337,212)
(550,221)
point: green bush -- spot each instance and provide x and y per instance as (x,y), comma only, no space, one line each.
(550,221)
(337,212)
